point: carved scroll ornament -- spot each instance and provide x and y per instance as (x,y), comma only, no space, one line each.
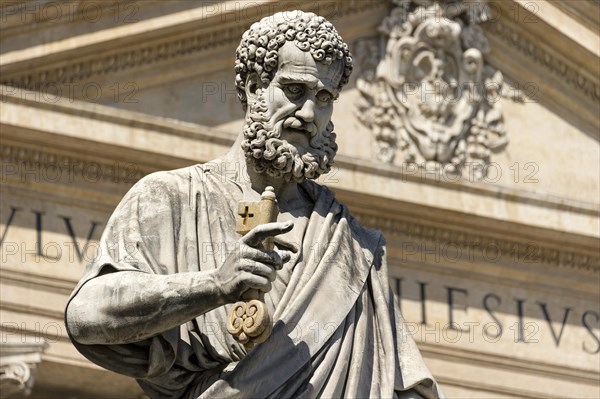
(17,359)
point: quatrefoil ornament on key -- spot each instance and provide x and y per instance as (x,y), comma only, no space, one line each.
(249,322)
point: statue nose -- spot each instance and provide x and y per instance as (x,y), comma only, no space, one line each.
(307,112)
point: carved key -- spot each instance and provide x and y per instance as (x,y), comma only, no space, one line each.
(249,320)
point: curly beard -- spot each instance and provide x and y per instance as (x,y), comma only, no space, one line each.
(268,154)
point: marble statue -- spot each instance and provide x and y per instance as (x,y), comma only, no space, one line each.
(160,301)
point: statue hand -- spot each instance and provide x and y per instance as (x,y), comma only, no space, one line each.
(249,266)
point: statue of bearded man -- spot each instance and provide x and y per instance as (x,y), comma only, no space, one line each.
(154,304)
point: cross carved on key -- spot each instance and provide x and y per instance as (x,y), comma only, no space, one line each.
(245,215)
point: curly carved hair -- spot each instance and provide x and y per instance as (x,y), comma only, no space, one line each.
(258,49)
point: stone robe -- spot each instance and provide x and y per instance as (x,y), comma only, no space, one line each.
(337,332)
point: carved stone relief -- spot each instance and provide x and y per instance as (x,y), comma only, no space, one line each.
(426,92)
(17,359)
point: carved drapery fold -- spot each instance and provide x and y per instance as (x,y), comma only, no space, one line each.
(426,92)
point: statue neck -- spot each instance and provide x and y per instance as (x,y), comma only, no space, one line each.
(287,193)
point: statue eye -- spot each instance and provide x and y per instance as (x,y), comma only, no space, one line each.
(294,89)
(324,96)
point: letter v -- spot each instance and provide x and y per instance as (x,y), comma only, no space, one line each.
(13,210)
(80,251)
(562,327)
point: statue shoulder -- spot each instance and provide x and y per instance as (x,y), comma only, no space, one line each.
(163,188)
(373,237)
(168,181)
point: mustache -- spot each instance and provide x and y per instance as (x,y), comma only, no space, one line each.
(295,123)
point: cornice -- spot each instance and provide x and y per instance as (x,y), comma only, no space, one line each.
(478,188)
(117,62)
(34,160)
(517,249)
(585,12)
(558,66)
(38,282)
(510,363)
(550,57)
(99,60)
(16,9)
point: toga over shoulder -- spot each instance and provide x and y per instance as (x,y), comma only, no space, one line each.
(337,330)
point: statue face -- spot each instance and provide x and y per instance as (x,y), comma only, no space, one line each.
(301,95)
(288,132)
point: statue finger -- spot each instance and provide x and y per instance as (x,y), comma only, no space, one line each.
(259,255)
(280,257)
(285,255)
(259,283)
(274,258)
(263,270)
(256,236)
(259,269)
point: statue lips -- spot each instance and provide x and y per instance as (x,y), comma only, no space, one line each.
(296,137)
(297,131)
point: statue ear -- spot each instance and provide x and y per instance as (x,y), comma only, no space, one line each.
(251,86)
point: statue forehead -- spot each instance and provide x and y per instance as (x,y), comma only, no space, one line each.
(293,61)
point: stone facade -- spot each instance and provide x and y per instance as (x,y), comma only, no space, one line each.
(497,267)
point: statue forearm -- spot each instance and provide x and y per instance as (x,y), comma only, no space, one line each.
(130,306)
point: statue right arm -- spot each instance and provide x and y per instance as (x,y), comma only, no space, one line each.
(130,306)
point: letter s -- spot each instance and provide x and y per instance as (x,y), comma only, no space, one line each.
(589,328)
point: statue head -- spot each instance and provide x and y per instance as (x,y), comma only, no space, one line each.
(290,68)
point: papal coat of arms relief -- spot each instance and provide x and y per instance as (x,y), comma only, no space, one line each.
(426,92)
